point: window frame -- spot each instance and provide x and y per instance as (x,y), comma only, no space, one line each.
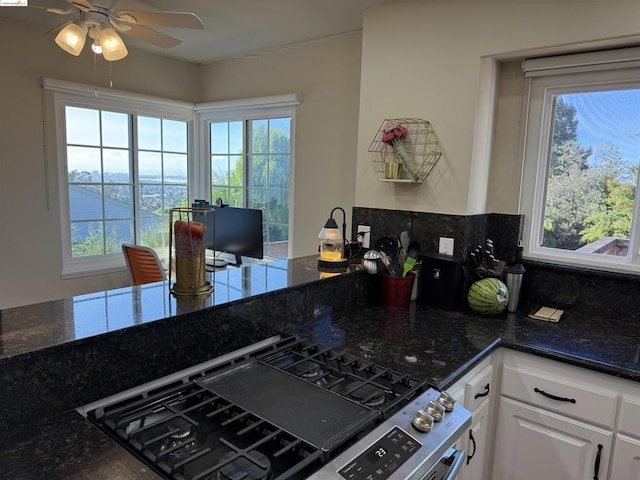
(539,119)
(244,111)
(82,96)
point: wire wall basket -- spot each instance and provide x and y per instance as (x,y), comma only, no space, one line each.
(409,159)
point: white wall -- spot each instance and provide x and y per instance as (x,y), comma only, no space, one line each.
(422,59)
(413,59)
(327,74)
(30,243)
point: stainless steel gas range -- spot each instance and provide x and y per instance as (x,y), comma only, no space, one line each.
(287,409)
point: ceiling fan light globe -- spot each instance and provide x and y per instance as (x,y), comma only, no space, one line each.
(71,38)
(113,48)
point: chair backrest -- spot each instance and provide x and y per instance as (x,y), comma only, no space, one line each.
(143,263)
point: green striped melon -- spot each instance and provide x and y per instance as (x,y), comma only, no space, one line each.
(488,296)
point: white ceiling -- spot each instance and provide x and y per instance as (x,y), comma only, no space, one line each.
(233,28)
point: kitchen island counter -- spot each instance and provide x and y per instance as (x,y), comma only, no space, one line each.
(437,345)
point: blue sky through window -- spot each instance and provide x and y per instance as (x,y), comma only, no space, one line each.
(609,117)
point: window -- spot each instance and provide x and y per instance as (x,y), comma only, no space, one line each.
(124,160)
(258,179)
(250,152)
(123,164)
(581,160)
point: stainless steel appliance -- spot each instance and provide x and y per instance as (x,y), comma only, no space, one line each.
(291,409)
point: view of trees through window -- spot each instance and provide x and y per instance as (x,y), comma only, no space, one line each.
(260,179)
(593,172)
(109,199)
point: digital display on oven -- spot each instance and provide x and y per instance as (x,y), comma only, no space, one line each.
(383,457)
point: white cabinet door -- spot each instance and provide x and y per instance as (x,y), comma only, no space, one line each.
(476,445)
(533,444)
(626,459)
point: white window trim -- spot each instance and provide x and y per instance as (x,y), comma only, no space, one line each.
(242,110)
(198,165)
(79,95)
(537,144)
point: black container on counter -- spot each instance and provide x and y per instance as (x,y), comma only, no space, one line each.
(441,281)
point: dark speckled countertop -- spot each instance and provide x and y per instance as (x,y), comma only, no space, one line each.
(47,350)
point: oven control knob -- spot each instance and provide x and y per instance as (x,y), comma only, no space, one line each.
(446,400)
(435,410)
(422,421)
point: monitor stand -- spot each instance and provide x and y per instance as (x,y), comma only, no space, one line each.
(219,263)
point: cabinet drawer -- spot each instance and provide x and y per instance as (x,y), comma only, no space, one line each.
(478,388)
(630,416)
(560,394)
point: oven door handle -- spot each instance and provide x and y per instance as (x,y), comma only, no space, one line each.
(455,464)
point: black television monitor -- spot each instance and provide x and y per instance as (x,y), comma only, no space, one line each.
(236,231)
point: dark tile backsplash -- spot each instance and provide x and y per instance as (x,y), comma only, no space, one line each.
(581,291)
(427,228)
(577,290)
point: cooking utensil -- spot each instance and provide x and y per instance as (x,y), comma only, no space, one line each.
(391,265)
(413,252)
(405,240)
(387,245)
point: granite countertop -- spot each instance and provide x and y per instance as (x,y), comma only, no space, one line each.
(437,345)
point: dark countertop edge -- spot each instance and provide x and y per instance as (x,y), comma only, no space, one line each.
(469,365)
(616,371)
(171,318)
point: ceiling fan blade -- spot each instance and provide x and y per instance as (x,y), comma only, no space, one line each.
(55,30)
(83,5)
(57,11)
(151,36)
(160,19)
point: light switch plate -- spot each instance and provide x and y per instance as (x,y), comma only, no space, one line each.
(366,238)
(446,246)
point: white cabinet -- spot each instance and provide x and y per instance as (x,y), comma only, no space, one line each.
(626,458)
(533,443)
(477,444)
(474,391)
(559,421)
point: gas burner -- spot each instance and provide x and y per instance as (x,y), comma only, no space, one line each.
(308,370)
(256,467)
(181,443)
(366,394)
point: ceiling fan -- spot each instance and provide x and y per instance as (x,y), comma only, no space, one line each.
(102,23)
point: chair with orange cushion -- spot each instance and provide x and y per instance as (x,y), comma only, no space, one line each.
(144,264)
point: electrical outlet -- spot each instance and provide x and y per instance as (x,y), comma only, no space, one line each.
(446,246)
(366,238)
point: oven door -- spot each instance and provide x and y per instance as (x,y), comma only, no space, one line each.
(448,467)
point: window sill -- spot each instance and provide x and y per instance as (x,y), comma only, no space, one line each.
(86,269)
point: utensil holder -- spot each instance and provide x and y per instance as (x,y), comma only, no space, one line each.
(396,291)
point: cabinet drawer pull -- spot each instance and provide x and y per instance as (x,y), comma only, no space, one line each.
(597,465)
(473,444)
(483,394)
(553,397)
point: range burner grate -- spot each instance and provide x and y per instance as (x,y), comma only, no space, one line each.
(364,382)
(188,433)
(277,413)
